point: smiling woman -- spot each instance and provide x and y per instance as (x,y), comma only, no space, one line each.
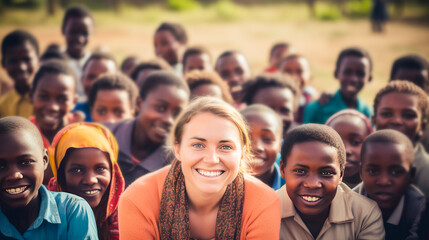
(205,193)
(84,163)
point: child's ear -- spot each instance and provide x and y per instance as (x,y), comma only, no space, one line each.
(45,159)
(282,169)
(373,119)
(139,103)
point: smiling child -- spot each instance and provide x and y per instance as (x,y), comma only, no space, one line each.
(315,203)
(28,209)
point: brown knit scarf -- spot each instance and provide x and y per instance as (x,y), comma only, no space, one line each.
(174,216)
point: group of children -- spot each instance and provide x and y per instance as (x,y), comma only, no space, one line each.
(340,181)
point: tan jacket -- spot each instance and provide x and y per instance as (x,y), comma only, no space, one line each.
(351,216)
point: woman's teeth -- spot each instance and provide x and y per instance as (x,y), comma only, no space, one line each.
(209,173)
(92,192)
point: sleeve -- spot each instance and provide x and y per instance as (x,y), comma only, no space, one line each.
(133,224)
(266,224)
(81,221)
(372,225)
(310,113)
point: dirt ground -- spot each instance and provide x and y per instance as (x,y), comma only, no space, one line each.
(319,41)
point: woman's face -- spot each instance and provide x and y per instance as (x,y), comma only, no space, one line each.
(88,174)
(210,156)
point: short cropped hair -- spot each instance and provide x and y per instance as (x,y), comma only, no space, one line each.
(227,54)
(197,78)
(16,38)
(194,51)
(12,124)
(317,133)
(262,109)
(389,136)
(162,77)
(54,66)
(52,53)
(99,56)
(155,64)
(75,12)
(267,80)
(176,30)
(351,112)
(354,52)
(116,81)
(415,62)
(407,87)
(278,45)
(290,57)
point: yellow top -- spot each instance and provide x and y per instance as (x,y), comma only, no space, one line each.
(15,104)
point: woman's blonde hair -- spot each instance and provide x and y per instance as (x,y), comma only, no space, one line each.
(221,109)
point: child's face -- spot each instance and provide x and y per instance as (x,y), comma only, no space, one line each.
(112,106)
(385,173)
(418,77)
(312,174)
(353,73)
(53,99)
(277,55)
(159,110)
(299,69)
(207,90)
(21,62)
(281,100)
(233,69)
(77,32)
(210,157)
(167,47)
(399,111)
(197,61)
(95,69)
(266,136)
(352,131)
(22,165)
(88,174)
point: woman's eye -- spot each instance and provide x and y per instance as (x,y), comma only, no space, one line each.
(197,145)
(226,147)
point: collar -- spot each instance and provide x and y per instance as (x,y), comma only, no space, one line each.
(342,211)
(395,217)
(48,209)
(340,101)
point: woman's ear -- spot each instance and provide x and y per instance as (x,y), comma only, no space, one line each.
(177,151)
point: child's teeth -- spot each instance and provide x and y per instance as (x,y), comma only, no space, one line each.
(310,198)
(209,173)
(91,192)
(17,190)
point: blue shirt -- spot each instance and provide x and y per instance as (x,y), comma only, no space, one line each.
(318,113)
(278,180)
(84,107)
(61,216)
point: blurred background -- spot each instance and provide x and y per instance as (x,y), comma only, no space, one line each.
(318,29)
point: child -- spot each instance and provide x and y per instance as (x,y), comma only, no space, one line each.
(315,203)
(141,140)
(275,91)
(233,68)
(203,83)
(20,59)
(353,70)
(85,164)
(113,98)
(96,66)
(170,43)
(143,69)
(53,96)
(353,127)
(278,51)
(403,106)
(413,68)
(298,67)
(266,133)
(386,171)
(196,58)
(129,64)
(77,28)
(28,210)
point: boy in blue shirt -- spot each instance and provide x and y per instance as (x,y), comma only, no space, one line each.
(27,209)
(353,70)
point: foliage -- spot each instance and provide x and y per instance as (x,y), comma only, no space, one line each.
(182,5)
(228,10)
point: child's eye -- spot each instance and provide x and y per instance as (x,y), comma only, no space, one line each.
(356,142)
(101,169)
(161,108)
(327,173)
(101,112)
(299,171)
(372,171)
(396,172)
(409,115)
(386,114)
(118,112)
(26,162)
(75,170)
(267,140)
